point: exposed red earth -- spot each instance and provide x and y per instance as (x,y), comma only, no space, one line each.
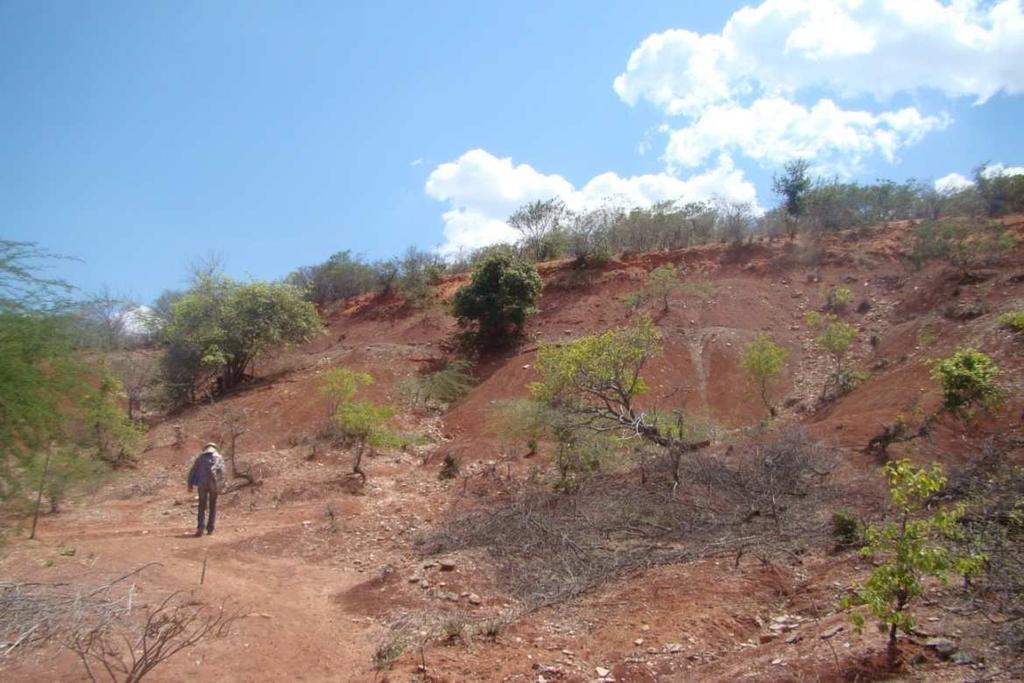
(322,569)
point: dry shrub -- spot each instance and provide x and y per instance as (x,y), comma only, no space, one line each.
(34,613)
(992,488)
(768,498)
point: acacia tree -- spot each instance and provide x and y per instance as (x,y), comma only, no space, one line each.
(536,221)
(500,296)
(596,381)
(909,548)
(762,362)
(38,371)
(220,327)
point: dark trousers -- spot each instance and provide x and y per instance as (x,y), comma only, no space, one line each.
(207,496)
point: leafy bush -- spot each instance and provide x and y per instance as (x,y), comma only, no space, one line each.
(439,388)
(968,380)
(501,295)
(340,277)
(449,468)
(837,299)
(1013,320)
(846,529)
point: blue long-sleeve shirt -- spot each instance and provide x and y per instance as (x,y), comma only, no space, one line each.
(202,472)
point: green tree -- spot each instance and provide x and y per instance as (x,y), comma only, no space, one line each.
(357,423)
(793,186)
(762,362)
(907,550)
(500,296)
(220,327)
(662,281)
(64,468)
(968,380)
(595,382)
(537,222)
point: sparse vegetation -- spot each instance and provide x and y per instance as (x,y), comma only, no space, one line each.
(835,338)
(439,388)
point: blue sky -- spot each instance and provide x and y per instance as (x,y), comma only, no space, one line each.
(138,137)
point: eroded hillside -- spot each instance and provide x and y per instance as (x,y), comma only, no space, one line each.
(336,579)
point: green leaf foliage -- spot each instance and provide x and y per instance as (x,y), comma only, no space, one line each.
(1012,320)
(908,549)
(599,370)
(968,381)
(499,298)
(219,327)
(762,362)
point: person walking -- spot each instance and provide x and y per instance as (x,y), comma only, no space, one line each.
(207,474)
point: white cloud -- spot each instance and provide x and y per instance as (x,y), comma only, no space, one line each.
(1001,169)
(744,88)
(416,162)
(482,190)
(773,130)
(851,47)
(952,182)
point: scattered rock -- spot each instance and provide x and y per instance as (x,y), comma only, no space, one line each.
(474,599)
(638,642)
(673,648)
(831,632)
(962,657)
(602,672)
(447,565)
(793,638)
(767,637)
(943,646)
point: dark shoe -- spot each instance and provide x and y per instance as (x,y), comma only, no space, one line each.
(199,532)
(209,531)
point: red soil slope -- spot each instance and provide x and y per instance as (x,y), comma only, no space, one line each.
(322,570)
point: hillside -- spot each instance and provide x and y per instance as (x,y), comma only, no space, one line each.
(329,573)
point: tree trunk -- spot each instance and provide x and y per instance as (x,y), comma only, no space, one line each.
(39,496)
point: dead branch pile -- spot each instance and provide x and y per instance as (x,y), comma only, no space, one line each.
(766,499)
(34,613)
(127,654)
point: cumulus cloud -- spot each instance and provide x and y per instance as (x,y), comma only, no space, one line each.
(774,130)
(740,89)
(482,190)
(851,47)
(954,181)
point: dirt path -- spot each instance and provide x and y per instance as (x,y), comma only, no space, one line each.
(296,629)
